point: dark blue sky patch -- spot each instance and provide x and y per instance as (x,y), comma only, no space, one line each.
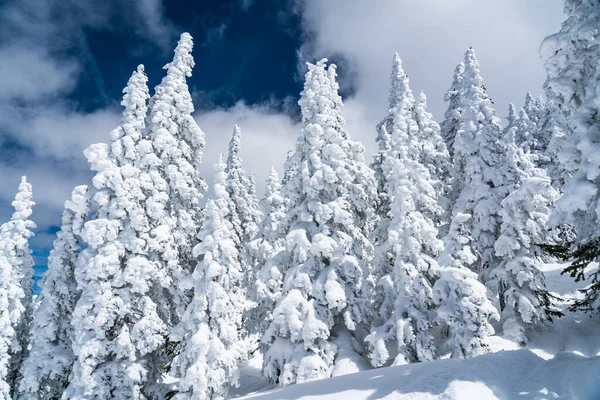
(240,54)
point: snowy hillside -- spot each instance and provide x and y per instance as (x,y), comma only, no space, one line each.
(559,363)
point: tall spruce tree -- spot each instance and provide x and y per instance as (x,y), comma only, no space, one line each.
(244,213)
(434,156)
(16,289)
(211,326)
(383,139)
(452,117)
(178,143)
(570,57)
(478,183)
(327,255)
(120,331)
(406,259)
(45,373)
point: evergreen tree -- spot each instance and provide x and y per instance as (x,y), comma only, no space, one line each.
(384,129)
(557,163)
(452,117)
(534,108)
(46,370)
(479,182)
(244,213)
(570,58)
(16,289)
(526,134)
(524,301)
(406,260)
(463,308)
(120,331)
(511,120)
(270,242)
(210,328)
(327,254)
(178,143)
(433,154)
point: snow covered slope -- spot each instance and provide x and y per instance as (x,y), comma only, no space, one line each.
(562,362)
(519,374)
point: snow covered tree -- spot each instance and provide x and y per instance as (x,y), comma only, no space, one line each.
(210,328)
(525,303)
(16,289)
(244,212)
(534,107)
(433,154)
(478,183)
(384,129)
(270,241)
(464,311)
(46,370)
(463,308)
(557,163)
(452,117)
(526,134)
(327,255)
(178,143)
(406,259)
(120,319)
(570,57)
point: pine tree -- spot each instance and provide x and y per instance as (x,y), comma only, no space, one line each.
(435,157)
(397,95)
(570,57)
(452,117)
(16,289)
(464,311)
(46,370)
(463,308)
(524,301)
(534,108)
(244,213)
(270,243)
(526,134)
(179,144)
(120,329)
(407,257)
(401,110)
(210,328)
(557,163)
(331,194)
(479,183)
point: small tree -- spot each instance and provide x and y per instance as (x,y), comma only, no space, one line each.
(16,289)
(270,242)
(452,117)
(46,370)
(210,328)
(463,308)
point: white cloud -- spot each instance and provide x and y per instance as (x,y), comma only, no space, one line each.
(266,138)
(30,74)
(431,37)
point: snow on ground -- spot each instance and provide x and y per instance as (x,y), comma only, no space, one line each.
(562,362)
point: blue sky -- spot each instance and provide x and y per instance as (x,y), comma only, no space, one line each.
(64,63)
